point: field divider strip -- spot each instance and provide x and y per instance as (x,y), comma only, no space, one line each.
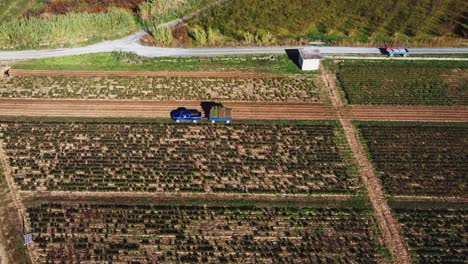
(391,230)
(163,74)
(17,199)
(199,197)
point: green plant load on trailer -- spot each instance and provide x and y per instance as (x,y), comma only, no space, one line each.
(220,112)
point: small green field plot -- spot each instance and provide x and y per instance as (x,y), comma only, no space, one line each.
(268,157)
(419,159)
(125,61)
(163,88)
(435,233)
(404,82)
(152,233)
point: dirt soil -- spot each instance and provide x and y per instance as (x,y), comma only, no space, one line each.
(160,109)
(387,222)
(241,110)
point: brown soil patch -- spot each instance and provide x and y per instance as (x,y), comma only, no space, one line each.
(159,109)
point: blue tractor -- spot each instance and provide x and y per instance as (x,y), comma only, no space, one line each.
(186,115)
(215,113)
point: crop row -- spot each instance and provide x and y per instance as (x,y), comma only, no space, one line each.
(160,88)
(404,83)
(435,235)
(419,160)
(243,158)
(210,234)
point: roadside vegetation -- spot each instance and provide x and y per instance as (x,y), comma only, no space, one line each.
(62,7)
(403,82)
(337,22)
(66,30)
(155,12)
(123,61)
(10,9)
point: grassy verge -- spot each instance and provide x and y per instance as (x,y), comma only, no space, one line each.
(117,61)
(66,30)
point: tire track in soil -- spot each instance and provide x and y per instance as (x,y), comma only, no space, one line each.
(160,109)
(387,222)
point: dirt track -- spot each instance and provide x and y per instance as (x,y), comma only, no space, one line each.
(410,113)
(159,109)
(241,110)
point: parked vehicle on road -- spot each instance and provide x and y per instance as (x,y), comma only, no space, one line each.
(391,52)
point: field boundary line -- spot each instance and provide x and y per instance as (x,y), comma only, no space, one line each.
(164,197)
(162,74)
(430,199)
(388,224)
(16,197)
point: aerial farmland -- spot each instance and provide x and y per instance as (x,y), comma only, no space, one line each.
(184,134)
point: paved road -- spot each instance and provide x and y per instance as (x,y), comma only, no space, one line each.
(132,44)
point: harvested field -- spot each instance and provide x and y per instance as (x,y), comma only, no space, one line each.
(162,88)
(435,233)
(419,159)
(404,82)
(120,232)
(300,158)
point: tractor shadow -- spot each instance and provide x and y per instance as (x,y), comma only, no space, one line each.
(383,51)
(293,55)
(206,107)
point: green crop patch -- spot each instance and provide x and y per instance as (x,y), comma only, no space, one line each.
(434,235)
(269,158)
(413,159)
(162,88)
(404,82)
(124,232)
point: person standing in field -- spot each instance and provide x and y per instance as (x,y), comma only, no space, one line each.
(6,71)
